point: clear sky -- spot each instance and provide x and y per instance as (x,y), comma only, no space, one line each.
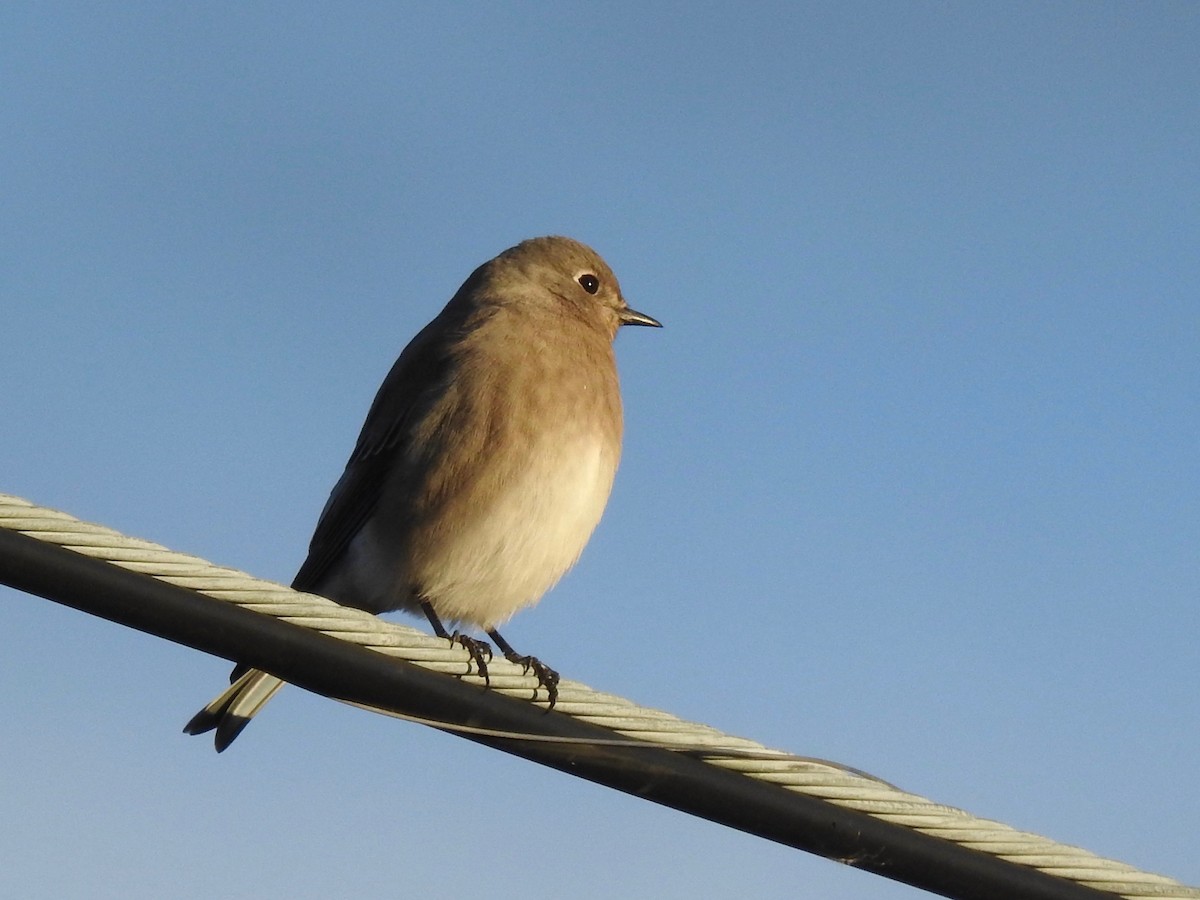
(911,476)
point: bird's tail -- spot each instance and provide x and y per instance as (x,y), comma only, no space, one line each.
(233,709)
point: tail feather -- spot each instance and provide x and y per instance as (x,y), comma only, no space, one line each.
(231,711)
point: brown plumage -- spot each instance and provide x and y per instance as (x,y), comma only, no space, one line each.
(484,463)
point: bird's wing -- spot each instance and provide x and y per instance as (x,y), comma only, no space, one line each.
(414,381)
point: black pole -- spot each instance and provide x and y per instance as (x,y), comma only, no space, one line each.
(335,668)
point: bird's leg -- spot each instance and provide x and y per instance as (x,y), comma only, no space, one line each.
(479,651)
(546,676)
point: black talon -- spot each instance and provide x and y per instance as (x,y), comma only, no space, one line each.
(546,676)
(480,652)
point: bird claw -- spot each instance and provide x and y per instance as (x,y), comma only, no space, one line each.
(546,676)
(479,651)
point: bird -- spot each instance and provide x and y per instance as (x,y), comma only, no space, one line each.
(483,466)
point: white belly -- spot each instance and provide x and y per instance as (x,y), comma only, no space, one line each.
(531,532)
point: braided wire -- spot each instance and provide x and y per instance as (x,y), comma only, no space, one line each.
(832,783)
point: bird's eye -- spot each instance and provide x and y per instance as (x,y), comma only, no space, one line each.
(589,282)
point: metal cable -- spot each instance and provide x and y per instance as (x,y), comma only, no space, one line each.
(839,786)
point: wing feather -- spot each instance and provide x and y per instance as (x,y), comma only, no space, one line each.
(414,383)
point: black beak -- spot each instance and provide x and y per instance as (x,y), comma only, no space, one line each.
(633,317)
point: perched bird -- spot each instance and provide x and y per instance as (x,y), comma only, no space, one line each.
(484,464)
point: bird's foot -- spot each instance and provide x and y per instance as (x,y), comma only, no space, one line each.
(546,676)
(479,651)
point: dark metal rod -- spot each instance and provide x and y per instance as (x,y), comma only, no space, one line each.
(334,668)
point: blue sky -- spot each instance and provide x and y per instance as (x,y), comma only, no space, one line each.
(910,476)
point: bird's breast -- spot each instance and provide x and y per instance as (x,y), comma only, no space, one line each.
(512,541)
(503,481)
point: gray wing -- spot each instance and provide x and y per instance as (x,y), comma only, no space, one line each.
(413,383)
